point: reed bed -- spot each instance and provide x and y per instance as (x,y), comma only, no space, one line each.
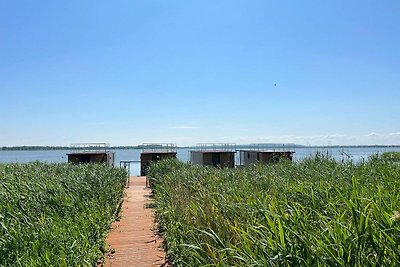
(317,212)
(391,156)
(56,214)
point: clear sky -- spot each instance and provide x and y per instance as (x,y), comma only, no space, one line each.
(127,72)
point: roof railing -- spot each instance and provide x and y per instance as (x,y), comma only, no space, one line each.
(90,147)
(159,148)
(273,147)
(209,147)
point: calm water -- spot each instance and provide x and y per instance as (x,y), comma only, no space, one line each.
(356,154)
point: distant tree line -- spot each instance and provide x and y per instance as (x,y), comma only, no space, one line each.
(17,148)
(35,147)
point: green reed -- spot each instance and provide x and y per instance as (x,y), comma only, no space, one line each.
(56,214)
(317,212)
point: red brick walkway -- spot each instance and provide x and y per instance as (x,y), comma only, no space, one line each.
(132,238)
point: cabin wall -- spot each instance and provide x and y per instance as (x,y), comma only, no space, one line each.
(266,157)
(75,159)
(288,155)
(221,159)
(249,157)
(111,159)
(196,158)
(275,156)
(207,159)
(147,158)
(228,159)
(78,158)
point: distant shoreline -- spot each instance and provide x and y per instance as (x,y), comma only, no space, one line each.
(33,148)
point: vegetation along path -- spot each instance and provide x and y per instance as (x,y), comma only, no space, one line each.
(132,239)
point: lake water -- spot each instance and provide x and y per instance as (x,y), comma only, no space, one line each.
(354,153)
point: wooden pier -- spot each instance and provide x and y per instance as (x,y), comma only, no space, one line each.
(132,241)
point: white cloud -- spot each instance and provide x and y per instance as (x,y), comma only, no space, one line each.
(373,135)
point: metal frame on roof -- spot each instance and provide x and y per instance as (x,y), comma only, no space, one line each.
(216,147)
(271,147)
(90,148)
(159,148)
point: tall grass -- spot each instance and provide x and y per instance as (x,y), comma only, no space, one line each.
(313,213)
(56,214)
(391,156)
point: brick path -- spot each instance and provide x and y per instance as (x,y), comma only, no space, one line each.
(132,237)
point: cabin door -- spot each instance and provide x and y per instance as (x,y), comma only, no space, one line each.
(84,159)
(216,159)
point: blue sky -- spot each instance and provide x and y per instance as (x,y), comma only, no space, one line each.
(128,72)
